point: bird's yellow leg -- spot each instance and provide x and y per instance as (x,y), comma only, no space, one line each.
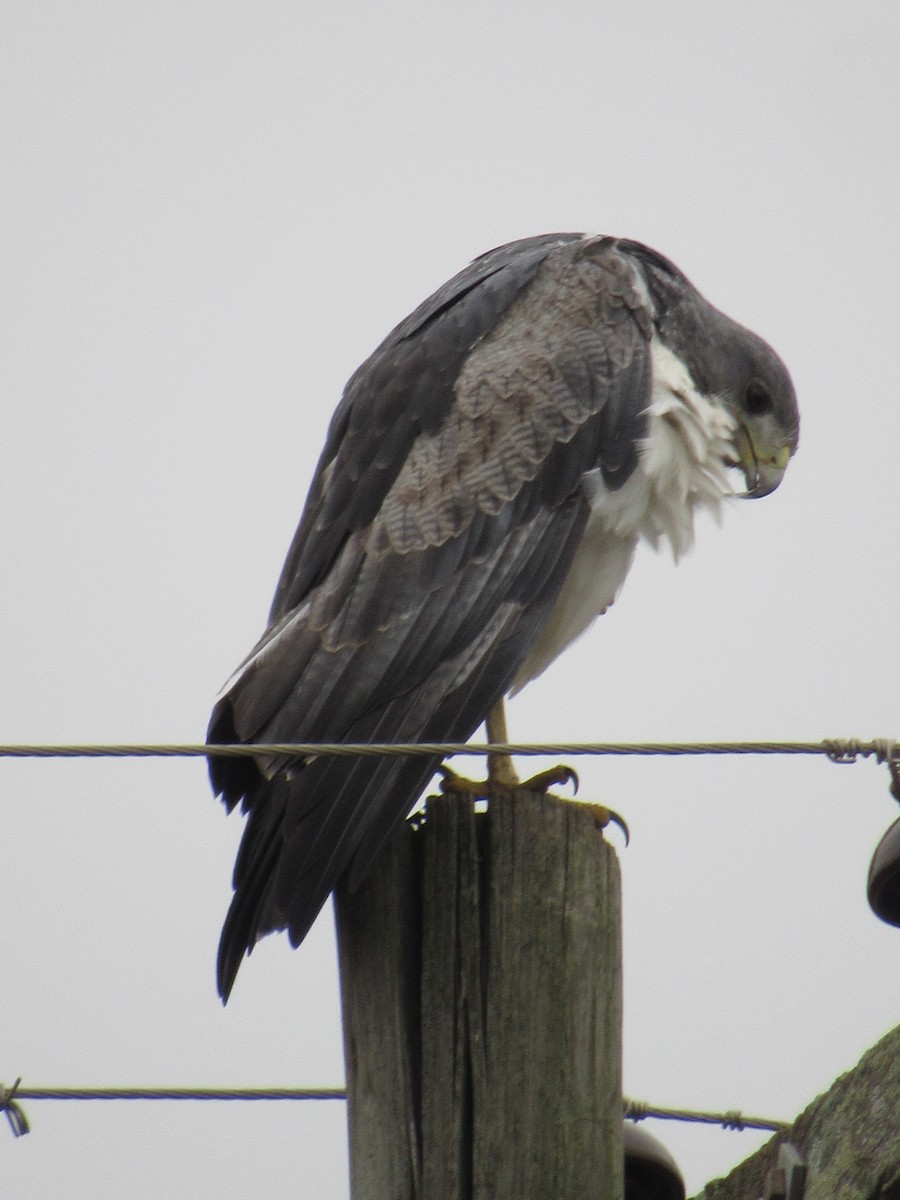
(502,775)
(501,772)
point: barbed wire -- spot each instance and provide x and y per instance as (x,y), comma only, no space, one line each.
(734,1119)
(11,1100)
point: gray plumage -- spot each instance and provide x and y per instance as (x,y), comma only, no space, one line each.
(507,424)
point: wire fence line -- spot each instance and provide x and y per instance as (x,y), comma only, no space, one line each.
(272,1094)
(11,1103)
(838,750)
(734,1119)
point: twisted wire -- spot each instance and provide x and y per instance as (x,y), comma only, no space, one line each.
(734,1119)
(634,1110)
(837,750)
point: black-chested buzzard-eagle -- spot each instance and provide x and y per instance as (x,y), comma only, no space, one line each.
(483,485)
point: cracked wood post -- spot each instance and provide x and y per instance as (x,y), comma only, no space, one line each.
(481,989)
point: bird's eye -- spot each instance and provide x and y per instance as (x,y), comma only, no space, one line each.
(758,400)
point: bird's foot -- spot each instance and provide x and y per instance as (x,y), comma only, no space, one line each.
(604,816)
(556,776)
(483,789)
(457,785)
(504,781)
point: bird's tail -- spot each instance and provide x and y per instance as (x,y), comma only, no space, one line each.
(254,877)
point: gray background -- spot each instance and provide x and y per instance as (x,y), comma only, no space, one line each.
(211,214)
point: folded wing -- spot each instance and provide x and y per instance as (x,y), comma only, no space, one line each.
(443,516)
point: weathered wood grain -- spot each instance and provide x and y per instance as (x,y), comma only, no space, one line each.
(481,982)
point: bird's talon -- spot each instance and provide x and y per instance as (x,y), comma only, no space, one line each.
(604,816)
(457,785)
(553,777)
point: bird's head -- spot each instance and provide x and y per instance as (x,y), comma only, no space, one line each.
(754,385)
(731,365)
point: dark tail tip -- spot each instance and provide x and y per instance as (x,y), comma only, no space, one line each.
(232,949)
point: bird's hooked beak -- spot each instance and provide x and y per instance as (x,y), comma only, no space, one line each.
(763,465)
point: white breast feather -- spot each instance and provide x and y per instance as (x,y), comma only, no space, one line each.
(681,469)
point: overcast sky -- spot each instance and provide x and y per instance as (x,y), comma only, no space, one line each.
(211,214)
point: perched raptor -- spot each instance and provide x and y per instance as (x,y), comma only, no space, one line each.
(485,480)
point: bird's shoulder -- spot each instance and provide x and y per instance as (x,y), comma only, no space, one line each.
(521,348)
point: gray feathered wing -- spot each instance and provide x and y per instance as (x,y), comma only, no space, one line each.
(442,519)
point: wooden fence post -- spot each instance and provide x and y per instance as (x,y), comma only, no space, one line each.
(481,986)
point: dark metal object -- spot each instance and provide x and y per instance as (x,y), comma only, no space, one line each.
(787,1179)
(651,1172)
(884,877)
